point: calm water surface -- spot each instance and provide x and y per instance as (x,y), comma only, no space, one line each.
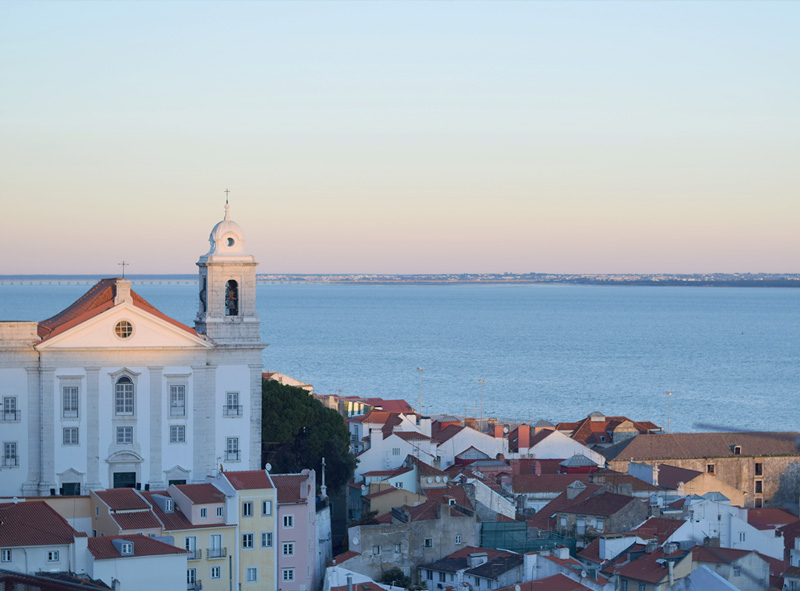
(555,352)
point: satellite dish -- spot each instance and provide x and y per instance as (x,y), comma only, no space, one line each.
(355,541)
(267,466)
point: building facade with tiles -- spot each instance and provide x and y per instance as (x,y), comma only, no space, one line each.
(110,392)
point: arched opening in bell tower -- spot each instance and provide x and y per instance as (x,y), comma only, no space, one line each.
(231,298)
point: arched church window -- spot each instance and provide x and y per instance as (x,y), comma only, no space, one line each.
(123,396)
(231,298)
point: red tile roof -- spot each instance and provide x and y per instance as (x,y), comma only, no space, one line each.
(172,521)
(202,494)
(717,555)
(288,486)
(549,483)
(605,505)
(33,523)
(409,435)
(122,499)
(647,566)
(137,520)
(545,517)
(440,435)
(657,528)
(557,582)
(248,479)
(589,431)
(769,518)
(94,302)
(344,556)
(390,405)
(103,548)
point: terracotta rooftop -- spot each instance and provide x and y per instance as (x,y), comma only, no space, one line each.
(458,560)
(137,520)
(440,435)
(601,430)
(657,528)
(717,555)
(172,521)
(704,445)
(248,479)
(344,556)
(33,523)
(550,483)
(122,499)
(409,435)
(650,567)
(604,504)
(575,566)
(497,566)
(288,486)
(398,405)
(104,549)
(202,494)
(94,302)
(769,518)
(545,517)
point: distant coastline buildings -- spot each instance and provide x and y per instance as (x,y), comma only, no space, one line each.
(111,392)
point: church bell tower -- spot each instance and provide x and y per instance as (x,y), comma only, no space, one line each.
(227,312)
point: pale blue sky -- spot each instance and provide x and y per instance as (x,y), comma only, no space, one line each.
(402,136)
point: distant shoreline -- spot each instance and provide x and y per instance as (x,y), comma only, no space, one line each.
(652,280)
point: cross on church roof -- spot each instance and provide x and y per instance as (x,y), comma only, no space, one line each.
(123,264)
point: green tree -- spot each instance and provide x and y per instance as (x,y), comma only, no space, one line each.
(298,431)
(394,576)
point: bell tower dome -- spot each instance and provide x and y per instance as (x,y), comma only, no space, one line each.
(227,312)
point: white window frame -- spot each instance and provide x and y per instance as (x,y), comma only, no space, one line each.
(52,556)
(177,433)
(287,549)
(232,451)
(6,555)
(287,574)
(266,507)
(428,543)
(247,508)
(10,454)
(124,430)
(376,550)
(251,574)
(191,576)
(70,402)
(219,511)
(203,512)
(127,548)
(216,572)
(266,539)
(288,521)
(70,436)
(177,400)
(248,541)
(458,538)
(124,396)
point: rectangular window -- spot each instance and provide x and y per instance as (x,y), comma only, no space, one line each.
(759,467)
(288,549)
(398,548)
(458,538)
(10,412)
(759,487)
(203,513)
(123,396)
(190,543)
(177,401)
(52,556)
(709,468)
(216,572)
(124,435)
(177,434)
(247,509)
(69,402)
(601,524)
(70,436)
(215,550)
(232,449)
(741,536)
(251,575)
(395,451)
(247,541)
(191,576)
(429,542)
(288,574)
(624,586)
(376,550)
(737,571)
(232,407)
(641,587)
(442,577)
(266,507)
(6,556)
(288,521)
(266,539)
(219,511)
(429,575)
(10,454)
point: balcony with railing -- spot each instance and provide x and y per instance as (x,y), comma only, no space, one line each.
(194,554)
(10,461)
(176,410)
(232,410)
(233,455)
(216,553)
(10,416)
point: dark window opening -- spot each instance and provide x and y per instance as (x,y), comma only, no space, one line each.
(124,479)
(231,298)
(71,489)
(710,468)
(759,469)
(171,482)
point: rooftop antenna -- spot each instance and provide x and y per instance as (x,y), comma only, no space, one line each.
(123,264)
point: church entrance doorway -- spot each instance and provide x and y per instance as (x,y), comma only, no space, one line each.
(124,479)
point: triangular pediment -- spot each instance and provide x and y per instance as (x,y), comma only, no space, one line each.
(126,326)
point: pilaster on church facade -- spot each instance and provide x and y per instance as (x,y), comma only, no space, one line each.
(111,392)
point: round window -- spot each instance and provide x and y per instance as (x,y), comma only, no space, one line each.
(231,241)
(123,329)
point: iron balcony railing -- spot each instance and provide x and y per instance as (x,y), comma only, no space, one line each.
(232,456)
(216,553)
(10,416)
(232,410)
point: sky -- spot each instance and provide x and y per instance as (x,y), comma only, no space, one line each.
(402,137)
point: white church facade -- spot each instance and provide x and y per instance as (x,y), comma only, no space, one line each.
(110,392)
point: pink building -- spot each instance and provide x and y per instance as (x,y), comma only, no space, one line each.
(297,545)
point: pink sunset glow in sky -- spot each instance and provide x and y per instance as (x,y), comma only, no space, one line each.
(402,137)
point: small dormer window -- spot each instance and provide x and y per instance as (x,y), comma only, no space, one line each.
(127,549)
(737,450)
(451,501)
(169,506)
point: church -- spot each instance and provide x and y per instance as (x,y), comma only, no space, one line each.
(110,392)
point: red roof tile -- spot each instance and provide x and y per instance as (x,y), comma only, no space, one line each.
(717,555)
(557,582)
(409,435)
(202,494)
(605,504)
(390,405)
(769,518)
(545,517)
(122,499)
(344,556)
(657,528)
(288,486)
(248,479)
(172,521)
(103,548)
(648,568)
(94,302)
(33,523)
(137,520)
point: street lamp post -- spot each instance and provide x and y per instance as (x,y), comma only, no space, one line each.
(481,382)
(419,408)
(669,397)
